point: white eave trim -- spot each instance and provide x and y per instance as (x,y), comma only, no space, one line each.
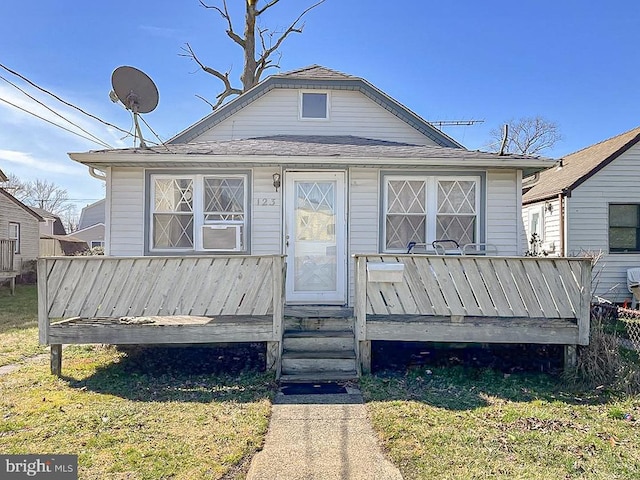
(177,160)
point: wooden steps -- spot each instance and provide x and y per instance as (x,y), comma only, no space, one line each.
(318,349)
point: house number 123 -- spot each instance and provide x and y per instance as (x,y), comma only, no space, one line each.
(266,202)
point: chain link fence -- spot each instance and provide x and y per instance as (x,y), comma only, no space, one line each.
(631,321)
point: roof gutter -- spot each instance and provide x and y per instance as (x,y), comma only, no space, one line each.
(94,173)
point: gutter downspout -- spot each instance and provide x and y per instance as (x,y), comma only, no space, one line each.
(94,174)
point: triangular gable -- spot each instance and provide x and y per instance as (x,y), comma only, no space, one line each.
(580,166)
(316,77)
(13,199)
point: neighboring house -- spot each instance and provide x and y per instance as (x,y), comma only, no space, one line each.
(257,175)
(91,224)
(591,206)
(21,224)
(51,224)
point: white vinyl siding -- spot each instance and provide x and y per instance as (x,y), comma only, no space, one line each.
(266,226)
(126,219)
(363,217)
(503,212)
(278,113)
(587,220)
(29,230)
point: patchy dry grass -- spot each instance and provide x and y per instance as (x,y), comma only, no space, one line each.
(18,324)
(125,422)
(455,423)
(143,414)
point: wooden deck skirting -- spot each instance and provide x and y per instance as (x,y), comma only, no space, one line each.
(473,299)
(155,300)
(7,262)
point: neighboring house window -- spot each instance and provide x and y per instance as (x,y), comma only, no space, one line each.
(97,243)
(536,223)
(624,227)
(199,213)
(423,209)
(14,234)
(314,105)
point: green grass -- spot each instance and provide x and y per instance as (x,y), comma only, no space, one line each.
(461,424)
(19,324)
(141,414)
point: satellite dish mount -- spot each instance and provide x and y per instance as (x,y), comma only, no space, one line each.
(136,91)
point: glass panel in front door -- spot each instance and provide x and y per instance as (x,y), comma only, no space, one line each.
(315,262)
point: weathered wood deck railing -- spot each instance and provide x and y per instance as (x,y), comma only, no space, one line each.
(155,300)
(473,299)
(7,262)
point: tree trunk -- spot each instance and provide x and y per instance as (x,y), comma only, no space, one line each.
(249,71)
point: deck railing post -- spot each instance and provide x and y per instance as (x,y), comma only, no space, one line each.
(43,301)
(584,320)
(274,348)
(363,347)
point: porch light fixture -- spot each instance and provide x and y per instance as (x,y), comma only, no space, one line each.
(548,206)
(276,181)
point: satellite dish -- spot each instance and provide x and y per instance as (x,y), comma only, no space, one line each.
(136,91)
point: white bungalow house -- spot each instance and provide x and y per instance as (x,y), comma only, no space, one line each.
(324,175)
(91,224)
(591,206)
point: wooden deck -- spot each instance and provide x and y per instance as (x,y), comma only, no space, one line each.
(156,300)
(472,299)
(7,263)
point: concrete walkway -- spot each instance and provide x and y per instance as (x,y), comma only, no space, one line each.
(318,437)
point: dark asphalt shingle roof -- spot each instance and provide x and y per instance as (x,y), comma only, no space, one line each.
(579,166)
(314,146)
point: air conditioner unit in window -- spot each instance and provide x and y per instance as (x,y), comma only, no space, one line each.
(222,237)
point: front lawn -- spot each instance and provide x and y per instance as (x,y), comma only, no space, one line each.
(19,324)
(125,420)
(458,423)
(181,413)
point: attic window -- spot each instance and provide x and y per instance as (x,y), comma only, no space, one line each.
(314,105)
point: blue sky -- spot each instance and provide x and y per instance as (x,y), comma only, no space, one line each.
(573,62)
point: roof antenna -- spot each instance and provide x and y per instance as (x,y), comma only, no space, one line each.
(136,91)
(505,137)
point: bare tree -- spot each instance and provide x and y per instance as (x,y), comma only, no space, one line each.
(527,136)
(255,63)
(39,193)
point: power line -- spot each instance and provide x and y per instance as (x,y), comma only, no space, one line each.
(13,72)
(99,141)
(49,121)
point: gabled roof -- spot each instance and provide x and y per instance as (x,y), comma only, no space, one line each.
(307,150)
(92,214)
(316,77)
(3,177)
(13,199)
(58,227)
(580,166)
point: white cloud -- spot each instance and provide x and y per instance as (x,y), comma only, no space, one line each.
(26,161)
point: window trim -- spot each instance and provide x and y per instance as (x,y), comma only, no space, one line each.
(327,116)
(197,176)
(431,192)
(637,228)
(17,238)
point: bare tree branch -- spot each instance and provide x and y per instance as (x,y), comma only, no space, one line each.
(225,15)
(213,107)
(223,77)
(529,135)
(262,61)
(266,7)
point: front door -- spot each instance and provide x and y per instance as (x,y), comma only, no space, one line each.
(315,237)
